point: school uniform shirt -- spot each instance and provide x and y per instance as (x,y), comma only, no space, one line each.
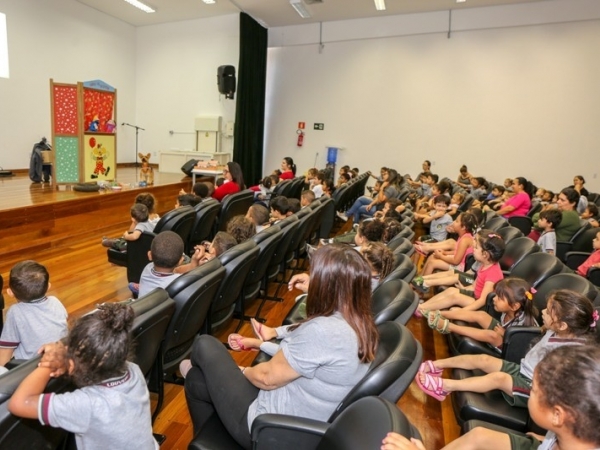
(548,342)
(547,241)
(30,325)
(151,279)
(114,414)
(437,228)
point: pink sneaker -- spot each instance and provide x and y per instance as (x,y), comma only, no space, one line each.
(185,366)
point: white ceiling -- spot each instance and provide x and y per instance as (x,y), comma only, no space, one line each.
(274,13)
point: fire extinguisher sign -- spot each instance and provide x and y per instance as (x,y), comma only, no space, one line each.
(301,125)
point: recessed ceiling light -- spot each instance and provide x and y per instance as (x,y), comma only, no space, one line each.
(380,5)
(461,1)
(300,8)
(141,6)
(210,2)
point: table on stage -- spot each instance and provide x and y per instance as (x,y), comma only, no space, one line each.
(208,172)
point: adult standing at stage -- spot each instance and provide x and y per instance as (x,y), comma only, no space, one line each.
(234,181)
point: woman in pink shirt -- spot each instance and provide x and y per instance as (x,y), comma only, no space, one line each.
(520,203)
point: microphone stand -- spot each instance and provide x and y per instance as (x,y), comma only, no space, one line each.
(137,130)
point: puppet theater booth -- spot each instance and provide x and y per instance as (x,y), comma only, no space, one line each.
(37,217)
(83,132)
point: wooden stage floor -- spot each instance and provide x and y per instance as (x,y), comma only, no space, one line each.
(63,230)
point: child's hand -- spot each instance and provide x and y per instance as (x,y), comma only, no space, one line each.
(54,357)
(299,281)
(182,192)
(199,252)
(499,329)
(395,441)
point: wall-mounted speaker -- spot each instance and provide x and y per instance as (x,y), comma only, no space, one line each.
(226,80)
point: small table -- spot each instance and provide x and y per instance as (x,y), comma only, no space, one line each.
(209,172)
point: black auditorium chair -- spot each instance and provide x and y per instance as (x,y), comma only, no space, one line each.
(515,251)
(466,204)
(182,224)
(581,241)
(267,241)
(297,187)
(16,432)
(406,233)
(495,223)
(204,222)
(398,241)
(491,406)
(404,269)
(238,262)
(280,187)
(363,425)
(234,205)
(509,233)
(525,223)
(328,218)
(153,314)
(403,246)
(193,293)
(394,301)
(396,363)
(537,267)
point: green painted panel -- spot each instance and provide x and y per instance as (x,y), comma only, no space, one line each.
(66,159)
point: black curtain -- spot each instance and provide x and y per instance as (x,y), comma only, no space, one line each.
(250,105)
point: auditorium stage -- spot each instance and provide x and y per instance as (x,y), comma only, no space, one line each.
(35,216)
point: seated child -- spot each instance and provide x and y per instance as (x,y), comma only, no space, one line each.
(202,190)
(455,203)
(111,406)
(187,200)
(259,215)
(438,219)
(264,190)
(593,260)
(591,215)
(548,221)
(279,209)
(306,198)
(35,319)
(139,224)
(311,177)
(488,248)
(166,255)
(241,228)
(318,186)
(145,198)
(328,188)
(513,299)
(293,206)
(569,320)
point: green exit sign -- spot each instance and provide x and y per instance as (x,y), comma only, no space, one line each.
(319,126)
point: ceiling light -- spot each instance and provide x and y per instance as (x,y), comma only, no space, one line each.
(300,8)
(461,1)
(141,6)
(210,2)
(380,5)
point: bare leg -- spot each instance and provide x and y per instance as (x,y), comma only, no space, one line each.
(448,278)
(480,439)
(481,318)
(446,299)
(488,336)
(485,383)
(434,263)
(486,363)
(428,247)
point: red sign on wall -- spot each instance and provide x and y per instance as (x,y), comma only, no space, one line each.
(301,125)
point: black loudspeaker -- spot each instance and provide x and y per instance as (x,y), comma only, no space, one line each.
(226,80)
(189,166)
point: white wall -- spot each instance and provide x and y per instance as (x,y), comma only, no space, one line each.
(176,79)
(68,42)
(509,101)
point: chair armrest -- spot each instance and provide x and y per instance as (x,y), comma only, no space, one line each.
(562,248)
(574,259)
(517,341)
(593,276)
(489,306)
(271,431)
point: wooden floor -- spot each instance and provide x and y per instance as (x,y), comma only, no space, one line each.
(81,277)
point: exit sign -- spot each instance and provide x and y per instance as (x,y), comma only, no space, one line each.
(319,126)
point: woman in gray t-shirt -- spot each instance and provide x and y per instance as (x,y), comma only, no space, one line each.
(320,361)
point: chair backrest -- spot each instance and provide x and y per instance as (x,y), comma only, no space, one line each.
(16,432)
(536,207)
(153,314)
(279,188)
(289,188)
(137,256)
(238,262)
(364,424)
(180,221)
(400,244)
(583,239)
(395,365)
(235,205)
(394,301)
(193,293)
(298,184)
(466,204)
(509,233)
(495,223)
(404,269)
(267,242)
(569,281)
(204,222)
(327,219)
(282,249)
(516,250)
(535,268)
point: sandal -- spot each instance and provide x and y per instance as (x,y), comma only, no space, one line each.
(235,343)
(419,313)
(432,386)
(257,328)
(444,329)
(432,370)
(432,321)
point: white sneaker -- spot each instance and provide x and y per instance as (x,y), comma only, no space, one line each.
(342,216)
(185,366)
(326,241)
